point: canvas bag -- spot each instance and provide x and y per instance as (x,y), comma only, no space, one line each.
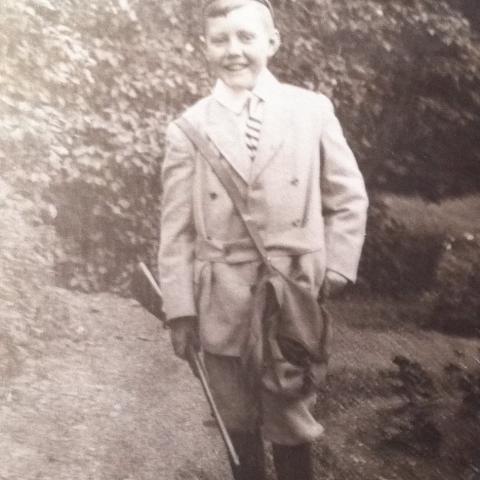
(289,334)
(289,337)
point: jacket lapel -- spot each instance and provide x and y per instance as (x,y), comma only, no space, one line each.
(223,131)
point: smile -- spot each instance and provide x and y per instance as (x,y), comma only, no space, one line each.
(235,67)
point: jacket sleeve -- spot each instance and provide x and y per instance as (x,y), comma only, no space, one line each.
(344,198)
(177,230)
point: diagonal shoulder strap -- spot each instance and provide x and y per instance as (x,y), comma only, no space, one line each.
(214,158)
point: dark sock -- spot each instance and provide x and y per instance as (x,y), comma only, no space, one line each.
(249,447)
(293,462)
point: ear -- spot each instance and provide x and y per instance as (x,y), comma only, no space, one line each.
(204,53)
(202,42)
(274,42)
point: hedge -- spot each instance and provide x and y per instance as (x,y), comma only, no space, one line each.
(87,89)
(455,294)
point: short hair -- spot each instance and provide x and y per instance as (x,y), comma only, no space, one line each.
(220,8)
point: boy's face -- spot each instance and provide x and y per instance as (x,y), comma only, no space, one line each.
(239,45)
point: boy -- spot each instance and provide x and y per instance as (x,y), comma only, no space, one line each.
(287,154)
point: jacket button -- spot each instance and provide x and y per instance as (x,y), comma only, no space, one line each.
(213,195)
(296,223)
(294,182)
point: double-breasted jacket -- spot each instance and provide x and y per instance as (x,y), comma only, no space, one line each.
(304,192)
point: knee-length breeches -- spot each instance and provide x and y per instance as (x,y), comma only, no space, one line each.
(282,420)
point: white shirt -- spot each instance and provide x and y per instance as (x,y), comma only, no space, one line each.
(236,101)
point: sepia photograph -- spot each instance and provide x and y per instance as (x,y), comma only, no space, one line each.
(240,239)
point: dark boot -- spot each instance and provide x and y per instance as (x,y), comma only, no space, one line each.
(249,447)
(293,462)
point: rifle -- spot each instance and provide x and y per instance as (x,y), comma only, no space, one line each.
(149,295)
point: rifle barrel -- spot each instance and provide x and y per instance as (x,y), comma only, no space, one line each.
(150,278)
(202,377)
(218,418)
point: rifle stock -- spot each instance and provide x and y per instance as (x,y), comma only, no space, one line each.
(147,300)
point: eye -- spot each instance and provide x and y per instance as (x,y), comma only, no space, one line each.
(218,39)
(246,36)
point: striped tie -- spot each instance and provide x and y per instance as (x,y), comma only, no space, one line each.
(253,126)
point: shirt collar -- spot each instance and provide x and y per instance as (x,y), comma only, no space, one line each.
(235,100)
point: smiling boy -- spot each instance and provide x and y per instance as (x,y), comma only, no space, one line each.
(240,44)
(285,150)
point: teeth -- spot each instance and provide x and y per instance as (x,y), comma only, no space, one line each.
(235,67)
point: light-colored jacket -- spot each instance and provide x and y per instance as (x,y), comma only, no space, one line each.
(304,192)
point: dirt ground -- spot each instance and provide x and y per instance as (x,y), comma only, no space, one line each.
(90,389)
(105,399)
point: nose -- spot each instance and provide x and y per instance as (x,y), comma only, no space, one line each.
(233,47)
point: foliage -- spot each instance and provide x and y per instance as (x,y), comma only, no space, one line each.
(468,382)
(455,299)
(413,422)
(435,414)
(405,76)
(451,217)
(86,90)
(396,259)
(29,304)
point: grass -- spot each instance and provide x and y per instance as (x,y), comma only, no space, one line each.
(360,408)
(453,217)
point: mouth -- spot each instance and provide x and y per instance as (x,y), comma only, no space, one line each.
(235,67)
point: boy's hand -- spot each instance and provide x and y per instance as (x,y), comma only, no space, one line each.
(333,284)
(184,335)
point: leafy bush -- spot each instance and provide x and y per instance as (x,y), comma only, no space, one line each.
(435,415)
(398,73)
(397,260)
(452,217)
(87,89)
(413,423)
(88,92)
(455,294)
